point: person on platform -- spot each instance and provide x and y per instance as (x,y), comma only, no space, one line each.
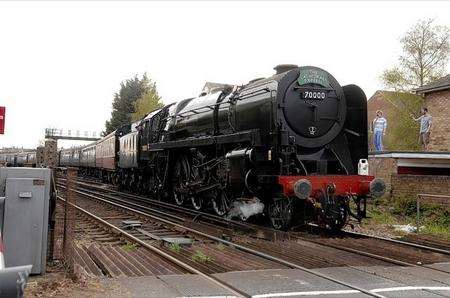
(379,125)
(425,128)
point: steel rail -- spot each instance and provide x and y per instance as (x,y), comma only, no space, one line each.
(355,251)
(359,252)
(83,192)
(430,248)
(194,213)
(163,254)
(255,227)
(372,255)
(239,246)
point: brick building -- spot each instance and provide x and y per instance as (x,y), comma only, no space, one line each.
(409,173)
(437,100)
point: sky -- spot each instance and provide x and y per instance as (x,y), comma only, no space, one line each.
(61,62)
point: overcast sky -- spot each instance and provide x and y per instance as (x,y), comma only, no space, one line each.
(61,62)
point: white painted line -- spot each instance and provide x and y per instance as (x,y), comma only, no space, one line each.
(310,293)
(207,297)
(410,289)
(342,292)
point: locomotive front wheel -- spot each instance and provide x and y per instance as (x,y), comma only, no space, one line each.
(280,213)
(338,219)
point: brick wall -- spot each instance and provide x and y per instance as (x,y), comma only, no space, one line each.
(51,153)
(411,185)
(384,168)
(40,156)
(402,185)
(438,104)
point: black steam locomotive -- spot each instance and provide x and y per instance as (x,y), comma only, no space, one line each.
(288,146)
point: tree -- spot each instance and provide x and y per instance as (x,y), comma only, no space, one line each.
(425,55)
(124,103)
(402,130)
(147,103)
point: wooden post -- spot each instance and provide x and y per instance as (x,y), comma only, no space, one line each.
(69,220)
(418,214)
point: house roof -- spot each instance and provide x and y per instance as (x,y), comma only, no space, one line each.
(440,84)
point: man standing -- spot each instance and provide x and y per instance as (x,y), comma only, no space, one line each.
(379,125)
(425,128)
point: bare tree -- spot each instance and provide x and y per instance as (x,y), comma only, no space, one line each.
(425,55)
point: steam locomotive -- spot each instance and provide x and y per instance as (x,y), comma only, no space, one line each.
(292,147)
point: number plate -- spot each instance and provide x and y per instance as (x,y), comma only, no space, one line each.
(317,95)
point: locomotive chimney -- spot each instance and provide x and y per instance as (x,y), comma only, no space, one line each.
(284,67)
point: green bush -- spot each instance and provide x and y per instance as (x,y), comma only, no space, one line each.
(404,206)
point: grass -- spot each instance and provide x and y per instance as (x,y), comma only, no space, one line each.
(379,217)
(434,218)
(199,256)
(437,230)
(220,246)
(175,247)
(129,246)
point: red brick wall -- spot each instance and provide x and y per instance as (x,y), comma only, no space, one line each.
(438,104)
(384,168)
(411,185)
(402,185)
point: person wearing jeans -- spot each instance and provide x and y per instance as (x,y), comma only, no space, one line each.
(379,125)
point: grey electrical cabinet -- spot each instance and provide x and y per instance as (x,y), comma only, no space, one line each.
(25,217)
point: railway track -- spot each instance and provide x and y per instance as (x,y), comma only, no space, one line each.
(290,253)
(154,249)
(258,252)
(266,232)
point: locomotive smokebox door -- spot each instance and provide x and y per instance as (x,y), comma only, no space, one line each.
(313,105)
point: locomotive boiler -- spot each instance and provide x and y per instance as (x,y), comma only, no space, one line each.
(287,146)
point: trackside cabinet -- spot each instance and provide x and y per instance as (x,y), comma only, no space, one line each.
(25,218)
